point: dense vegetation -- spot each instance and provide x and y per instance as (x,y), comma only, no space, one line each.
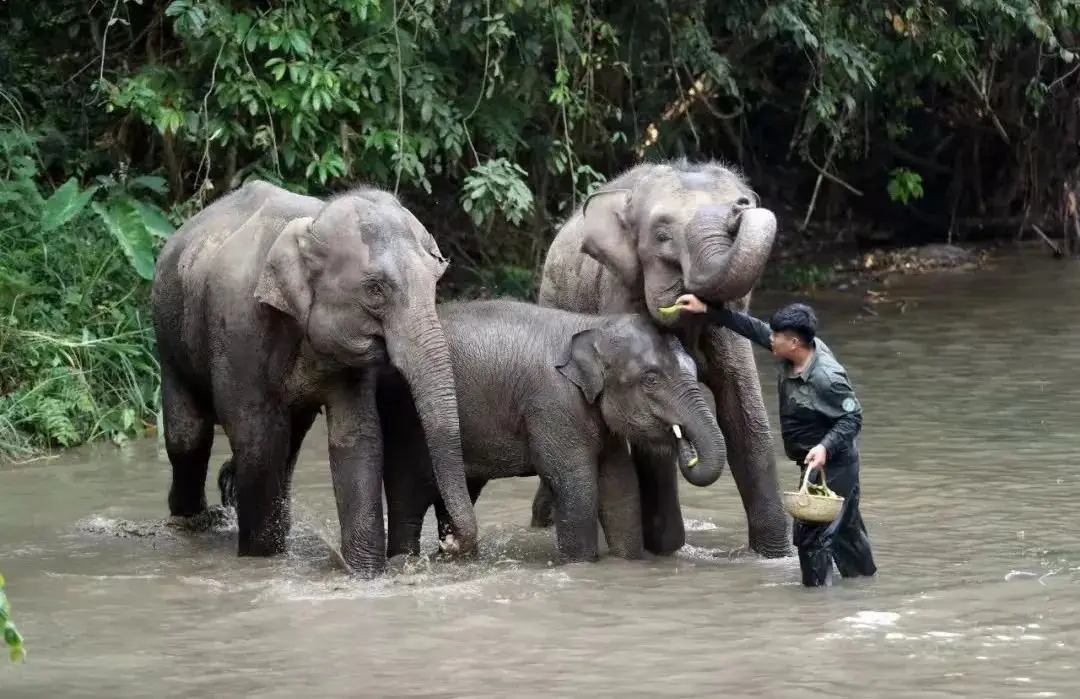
(491,118)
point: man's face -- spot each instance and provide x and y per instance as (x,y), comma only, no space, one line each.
(784,344)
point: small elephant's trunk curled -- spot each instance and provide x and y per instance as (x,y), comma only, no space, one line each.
(688,457)
(701,447)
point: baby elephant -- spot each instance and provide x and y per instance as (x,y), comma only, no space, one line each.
(547,392)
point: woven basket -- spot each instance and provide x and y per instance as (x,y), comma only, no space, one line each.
(820,509)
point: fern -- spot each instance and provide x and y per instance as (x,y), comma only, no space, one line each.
(52,420)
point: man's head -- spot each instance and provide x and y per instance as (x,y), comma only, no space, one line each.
(793,328)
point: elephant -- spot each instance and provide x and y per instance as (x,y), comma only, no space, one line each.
(269,307)
(656,231)
(556,394)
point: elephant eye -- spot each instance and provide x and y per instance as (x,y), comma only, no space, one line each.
(651,380)
(373,292)
(663,235)
(743,201)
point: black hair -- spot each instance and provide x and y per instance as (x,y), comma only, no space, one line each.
(797,318)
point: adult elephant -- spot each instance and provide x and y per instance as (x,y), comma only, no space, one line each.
(556,394)
(270,306)
(657,231)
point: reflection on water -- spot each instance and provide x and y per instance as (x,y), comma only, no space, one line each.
(970,454)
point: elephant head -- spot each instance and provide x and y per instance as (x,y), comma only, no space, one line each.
(647,389)
(359,277)
(672,228)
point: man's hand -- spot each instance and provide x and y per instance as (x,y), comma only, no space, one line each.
(689,302)
(816,457)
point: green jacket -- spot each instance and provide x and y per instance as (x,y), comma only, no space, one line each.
(817,406)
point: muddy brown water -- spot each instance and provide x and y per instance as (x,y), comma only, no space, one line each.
(971,449)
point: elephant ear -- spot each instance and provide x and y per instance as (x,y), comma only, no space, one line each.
(580,362)
(285,279)
(427,242)
(608,238)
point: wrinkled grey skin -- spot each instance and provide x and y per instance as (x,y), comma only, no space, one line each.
(270,306)
(655,232)
(555,394)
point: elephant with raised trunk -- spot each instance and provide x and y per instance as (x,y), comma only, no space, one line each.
(556,394)
(655,232)
(270,306)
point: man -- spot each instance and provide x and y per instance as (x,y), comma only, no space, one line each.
(820,419)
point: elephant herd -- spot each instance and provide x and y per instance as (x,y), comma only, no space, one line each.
(270,307)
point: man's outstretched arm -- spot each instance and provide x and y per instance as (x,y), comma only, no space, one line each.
(744,324)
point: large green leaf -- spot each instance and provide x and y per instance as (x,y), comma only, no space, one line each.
(66,203)
(154,218)
(152,182)
(126,225)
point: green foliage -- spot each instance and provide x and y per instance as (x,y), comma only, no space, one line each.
(323,90)
(904,185)
(798,277)
(494,183)
(76,359)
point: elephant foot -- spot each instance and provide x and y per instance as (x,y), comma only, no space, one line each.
(771,545)
(259,549)
(265,544)
(663,536)
(402,563)
(666,545)
(211,518)
(365,569)
(541,521)
(186,504)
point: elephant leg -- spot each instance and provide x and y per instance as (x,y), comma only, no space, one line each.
(301,424)
(733,379)
(542,507)
(226,482)
(663,529)
(620,503)
(262,450)
(572,475)
(408,496)
(408,476)
(189,435)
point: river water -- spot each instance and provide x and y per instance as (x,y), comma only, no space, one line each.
(970,448)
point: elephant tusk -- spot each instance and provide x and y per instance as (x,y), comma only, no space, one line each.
(693,460)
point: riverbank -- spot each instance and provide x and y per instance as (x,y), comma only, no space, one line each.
(845,270)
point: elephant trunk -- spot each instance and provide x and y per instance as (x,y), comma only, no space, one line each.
(719,270)
(702,450)
(418,349)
